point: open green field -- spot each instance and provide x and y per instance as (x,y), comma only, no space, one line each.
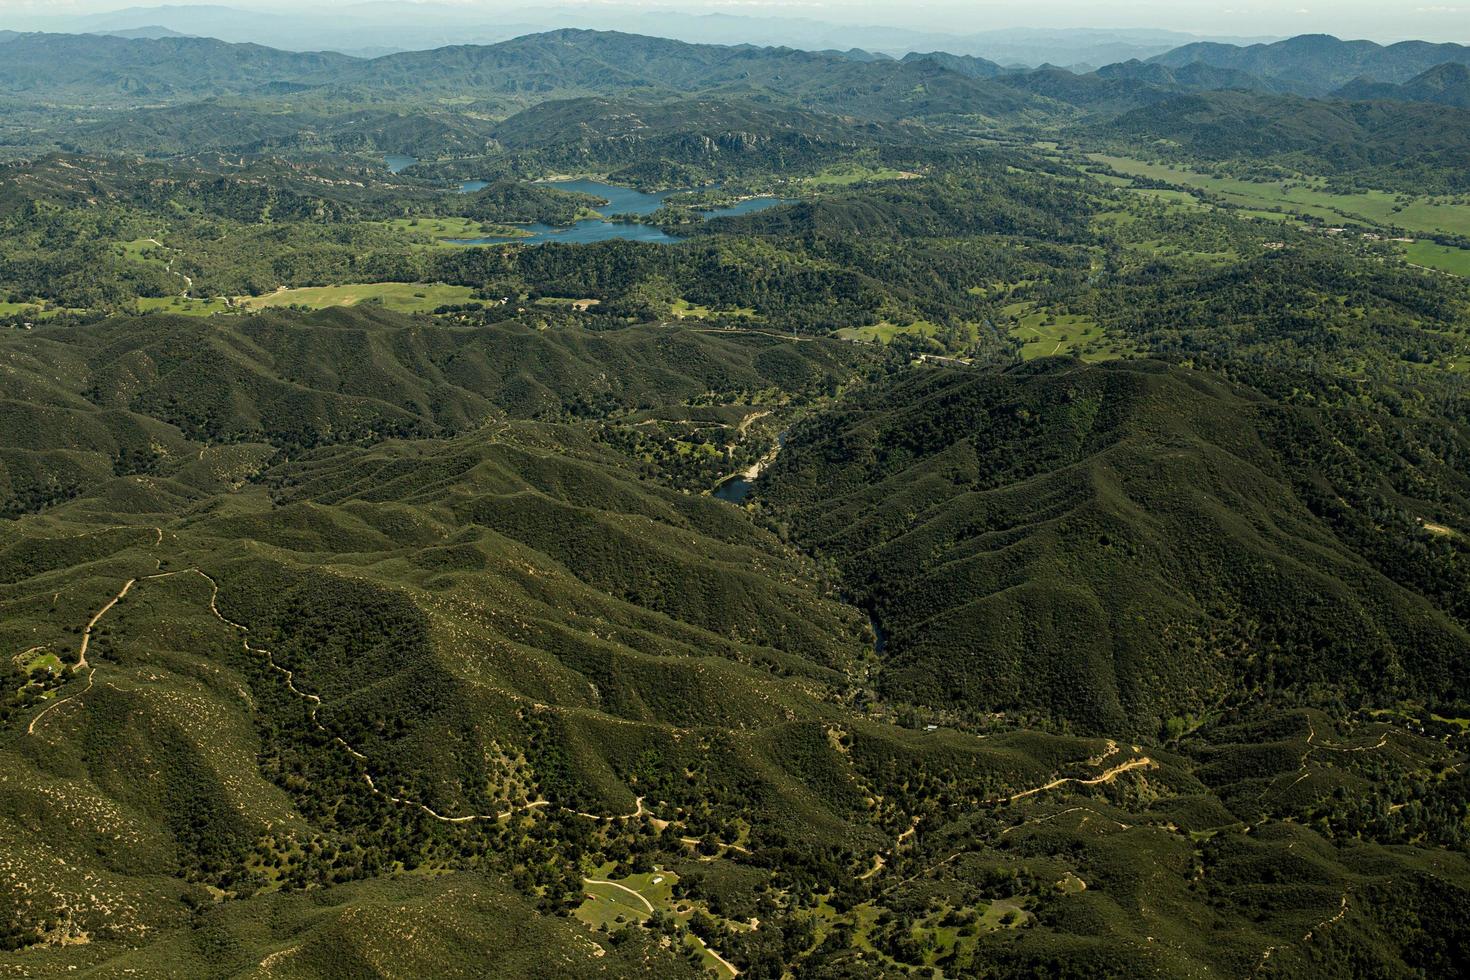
(436,230)
(847,175)
(1307,196)
(613,903)
(1163,248)
(683,309)
(884,332)
(32,310)
(183,305)
(1044,335)
(404,297)
(572,302)
(1445,258)
(144,250)
(45,659)
(939,932)
(999,289)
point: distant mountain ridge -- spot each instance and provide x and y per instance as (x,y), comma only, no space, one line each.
(1447,84)
(392,25)
(1197,76)
(150,33)
(524,71)
(1317,64)
(964,64)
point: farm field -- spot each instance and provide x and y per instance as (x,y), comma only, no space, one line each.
(683,309)
(33,310)
(884,332)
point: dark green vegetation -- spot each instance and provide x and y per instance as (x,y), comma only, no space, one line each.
(1099,607)
(1442,84)
(1125,544)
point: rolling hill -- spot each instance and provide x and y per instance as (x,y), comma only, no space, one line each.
(978,521)
(1321,136)
(331,687)
(1117,544)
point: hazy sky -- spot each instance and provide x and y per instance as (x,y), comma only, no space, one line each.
(1379,19)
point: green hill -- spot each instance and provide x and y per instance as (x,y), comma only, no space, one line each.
(1117,545)
(366,643)
(1404,143)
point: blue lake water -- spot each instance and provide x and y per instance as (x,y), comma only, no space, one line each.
(749,206)
(621,200)
(398,164)
(734,490)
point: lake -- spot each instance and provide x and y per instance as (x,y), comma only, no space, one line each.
(397,164)
(736,488)
(621,200)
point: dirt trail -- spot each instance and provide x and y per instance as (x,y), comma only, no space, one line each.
(1142,762)
(169,265)
(1381,743)
(746,422)
(315,701)
(649,905)
(1332,920)
(91,623)
(81,663)
(696,842)
(1088,815)
(31,728)
(1105,754)
(1304,771)
(638,811)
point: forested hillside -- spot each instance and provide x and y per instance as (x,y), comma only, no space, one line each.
(596,505)
(1122,544)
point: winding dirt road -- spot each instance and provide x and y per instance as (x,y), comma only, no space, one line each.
(1142,762)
